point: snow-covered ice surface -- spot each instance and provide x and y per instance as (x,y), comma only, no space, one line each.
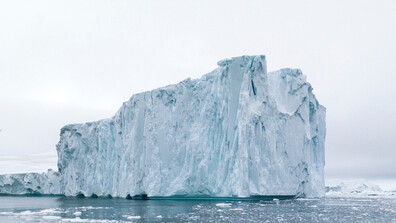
(237,131)
(360,188)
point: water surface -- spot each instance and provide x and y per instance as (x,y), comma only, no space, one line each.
(65,209)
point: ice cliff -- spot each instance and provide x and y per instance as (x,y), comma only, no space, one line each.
(237,131)
(31,183)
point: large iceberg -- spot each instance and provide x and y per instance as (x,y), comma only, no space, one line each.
(237,131)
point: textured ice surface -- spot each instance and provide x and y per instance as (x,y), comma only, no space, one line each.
(31,183)
(237,131)
(360,188)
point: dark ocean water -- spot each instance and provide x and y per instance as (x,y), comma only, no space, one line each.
(63,209)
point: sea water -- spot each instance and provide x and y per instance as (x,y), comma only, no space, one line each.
(67,209)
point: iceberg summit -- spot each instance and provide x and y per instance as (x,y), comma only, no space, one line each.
(238,131)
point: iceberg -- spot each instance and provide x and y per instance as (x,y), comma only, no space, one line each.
(31,183)
(360,188)
(237,131)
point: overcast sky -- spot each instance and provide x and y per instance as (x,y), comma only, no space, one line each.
(76,61)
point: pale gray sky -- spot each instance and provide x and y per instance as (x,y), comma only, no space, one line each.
(75,61)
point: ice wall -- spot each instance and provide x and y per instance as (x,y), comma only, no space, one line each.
(237,131)
(31,183)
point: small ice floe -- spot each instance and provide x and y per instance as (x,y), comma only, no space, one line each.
(42,212)
(197,207)
(133,217)
(306,199)
(27,213)
(48,217)
(236,209)
(225,205)
(50,211)
(84,208)
(77,219)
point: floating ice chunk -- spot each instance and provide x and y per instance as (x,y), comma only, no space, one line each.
(223,204)
(27,213)
(133,217)
(51,211)
(236,209)
(49,217)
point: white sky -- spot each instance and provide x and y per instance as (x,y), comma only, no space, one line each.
(75,61)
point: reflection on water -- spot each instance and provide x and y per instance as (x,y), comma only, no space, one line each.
(62,209)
